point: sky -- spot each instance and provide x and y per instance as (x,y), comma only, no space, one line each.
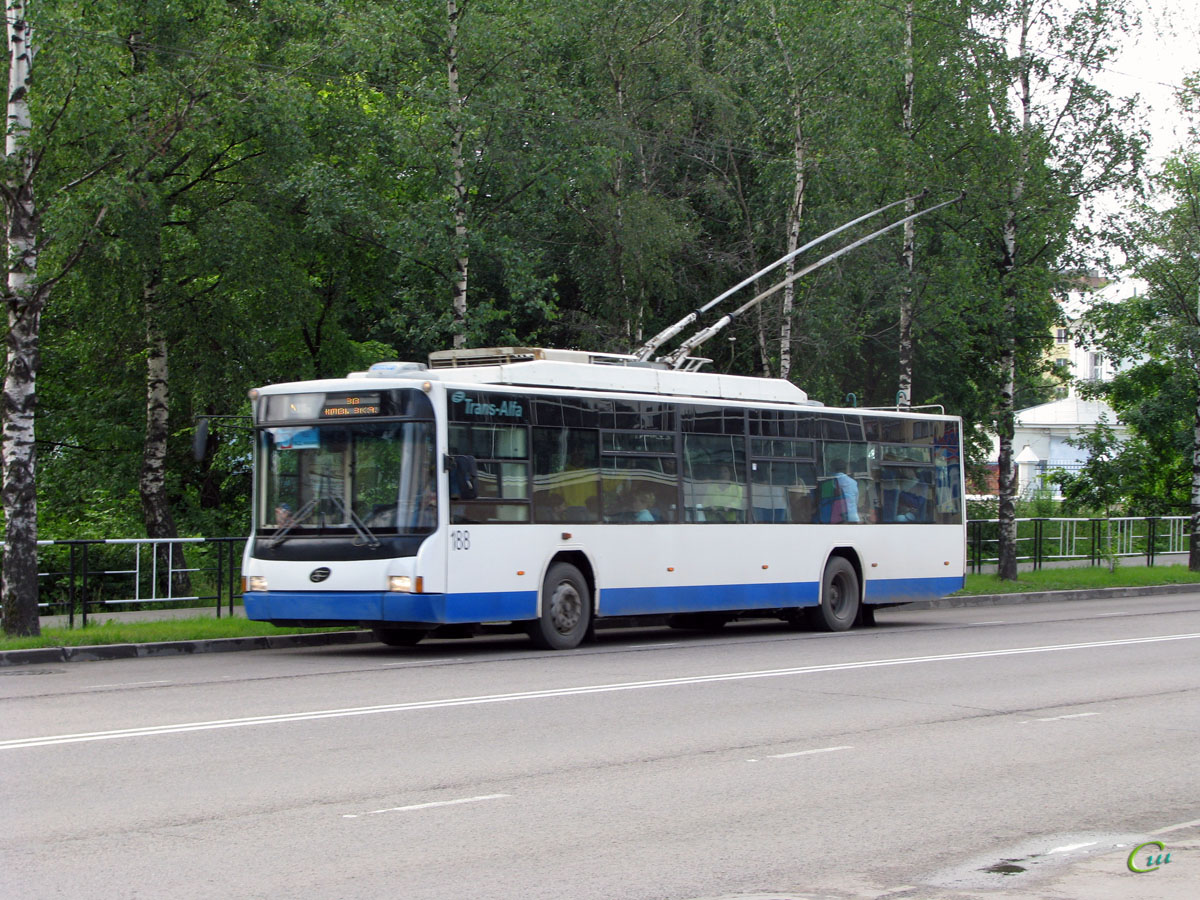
(1155,62)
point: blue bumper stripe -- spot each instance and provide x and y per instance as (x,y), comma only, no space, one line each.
(354,606)
(910,590)
(506,606)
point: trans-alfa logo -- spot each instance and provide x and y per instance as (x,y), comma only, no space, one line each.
(508,408)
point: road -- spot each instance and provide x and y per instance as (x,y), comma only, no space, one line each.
(945,753)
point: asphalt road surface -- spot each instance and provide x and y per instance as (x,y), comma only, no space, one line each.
(945,753)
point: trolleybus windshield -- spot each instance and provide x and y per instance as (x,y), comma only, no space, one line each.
(359,476)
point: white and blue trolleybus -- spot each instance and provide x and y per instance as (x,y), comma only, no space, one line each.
(539,490)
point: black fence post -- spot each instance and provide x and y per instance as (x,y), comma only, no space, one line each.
(1039,527)
(83,598)
(1151,538)
(220,577)
(71,586)
(232,543)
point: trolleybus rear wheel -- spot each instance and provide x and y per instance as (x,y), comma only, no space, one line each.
(566,609)
(400,637)
(839,597)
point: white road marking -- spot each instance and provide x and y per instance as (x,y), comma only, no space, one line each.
(1070,847)
(1059,718)
(1182,825)
(997,622)
(379,812)
(646,646)
(315,715)
(807,752)
(1109,615)
(419,663)
(95,687)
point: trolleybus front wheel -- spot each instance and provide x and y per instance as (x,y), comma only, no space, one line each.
(566,609)
(839,597)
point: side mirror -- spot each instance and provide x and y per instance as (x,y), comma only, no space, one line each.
(200,438)
(464,477)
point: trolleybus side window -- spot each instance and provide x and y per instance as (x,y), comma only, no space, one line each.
(639,477)
(846,488)
(502,455)
(714,464)
(783,480)
(566,475)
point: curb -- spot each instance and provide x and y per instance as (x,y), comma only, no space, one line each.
(92,653)
(1015,599)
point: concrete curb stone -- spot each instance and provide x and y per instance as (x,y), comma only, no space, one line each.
(1053,596)
(91,653)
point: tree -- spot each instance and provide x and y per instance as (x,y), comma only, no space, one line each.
(1158,332)
(29,285)
(1057,139)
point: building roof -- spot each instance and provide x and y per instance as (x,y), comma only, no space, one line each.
(1068,412)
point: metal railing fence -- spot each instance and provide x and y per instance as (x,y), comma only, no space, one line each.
(90,576)
(1048,540)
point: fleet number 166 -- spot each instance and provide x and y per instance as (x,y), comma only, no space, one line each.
(461,540)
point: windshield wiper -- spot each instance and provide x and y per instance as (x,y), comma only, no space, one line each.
(365,534)
(302,514)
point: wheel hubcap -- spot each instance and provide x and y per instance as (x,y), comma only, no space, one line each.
(566,608)
(837,596)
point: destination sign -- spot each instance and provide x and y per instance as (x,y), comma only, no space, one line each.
(350,405)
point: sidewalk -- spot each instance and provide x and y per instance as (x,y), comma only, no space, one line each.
(1106,875)
(318,639)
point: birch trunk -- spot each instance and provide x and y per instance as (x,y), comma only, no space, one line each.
(459,184)
(908,251)
(795,215)
(1007,551)
(1194,538)
(24,301)
(152,482)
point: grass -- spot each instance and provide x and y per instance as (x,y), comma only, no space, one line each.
(199,628)
(1076,579)
(202,628)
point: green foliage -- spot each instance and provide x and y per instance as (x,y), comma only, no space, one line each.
(1099,484)
(1156,334)
(276,180)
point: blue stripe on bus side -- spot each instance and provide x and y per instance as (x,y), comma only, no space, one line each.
(504,606)
(715,598)
(910,590)
(705,598)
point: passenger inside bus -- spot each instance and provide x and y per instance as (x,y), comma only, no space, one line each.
(724,499)
(648,507)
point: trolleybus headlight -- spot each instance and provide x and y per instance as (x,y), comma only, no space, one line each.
(400,583)
(256,584)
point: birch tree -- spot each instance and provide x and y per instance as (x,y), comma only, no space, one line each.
(24,300)
(908,249)
(28,288)
(1057,140)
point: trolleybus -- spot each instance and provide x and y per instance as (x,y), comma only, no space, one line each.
(540,490)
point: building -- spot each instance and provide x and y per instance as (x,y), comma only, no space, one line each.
(1042,435)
